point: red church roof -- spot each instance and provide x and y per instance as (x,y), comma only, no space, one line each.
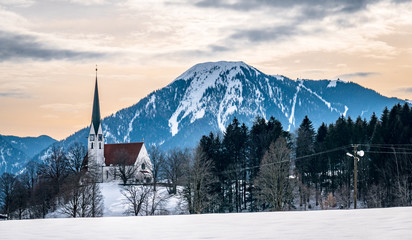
(121,153)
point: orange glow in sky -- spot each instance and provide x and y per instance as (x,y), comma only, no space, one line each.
(48,50)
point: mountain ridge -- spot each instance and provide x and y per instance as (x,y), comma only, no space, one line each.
(207,96)
(16,151)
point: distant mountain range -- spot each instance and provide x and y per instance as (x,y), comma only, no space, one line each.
(15,152)
(209,95)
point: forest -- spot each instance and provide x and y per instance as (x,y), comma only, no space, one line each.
(261,168)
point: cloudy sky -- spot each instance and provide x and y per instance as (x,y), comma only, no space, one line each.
(49,48)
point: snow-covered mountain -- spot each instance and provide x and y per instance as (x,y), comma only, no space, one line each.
(207,96)
(16,151)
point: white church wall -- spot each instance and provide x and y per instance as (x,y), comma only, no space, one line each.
(144,166)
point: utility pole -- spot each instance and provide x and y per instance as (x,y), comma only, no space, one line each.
(355,181)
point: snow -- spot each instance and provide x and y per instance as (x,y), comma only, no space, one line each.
(377,224)
(279,77)
(346,110)
(328,104)
(113,200)
(201,68)
(232,99)
(115,204)
(191,102)
(126,138)
(269,88)
(151,101)
(204,76)
(332,84)
(292,113)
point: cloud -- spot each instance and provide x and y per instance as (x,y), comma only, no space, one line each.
(308,9)
(247,5)
(17,3)
(218,48)
(15,93)
(89,2)
(15,46)
(405,89)
(265,34)
(357,75)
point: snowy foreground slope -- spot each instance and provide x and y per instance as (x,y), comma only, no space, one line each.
(389,223)
(115,204)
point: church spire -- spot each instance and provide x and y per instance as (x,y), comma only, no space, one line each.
(96,108)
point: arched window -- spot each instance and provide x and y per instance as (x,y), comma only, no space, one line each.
(92,146)
(100,145)
(143,166)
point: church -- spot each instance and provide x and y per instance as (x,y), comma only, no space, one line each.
(111,162)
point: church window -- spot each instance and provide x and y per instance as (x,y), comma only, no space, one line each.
(143,166)
(91,146)
(100,145)
(91,137)
(100,137)
(107,174)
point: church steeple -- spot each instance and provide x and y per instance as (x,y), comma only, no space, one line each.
(96,108)
(96,138)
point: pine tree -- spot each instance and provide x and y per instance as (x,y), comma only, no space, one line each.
(235,155)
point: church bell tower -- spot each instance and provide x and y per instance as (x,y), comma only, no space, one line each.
(96,138)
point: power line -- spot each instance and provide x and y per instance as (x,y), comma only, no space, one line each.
(388,152)
(312,155)
(284,161)
(320,153)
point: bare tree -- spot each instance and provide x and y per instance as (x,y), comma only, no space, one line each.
(273,184)
(56,167)
(125,169)
(71,197)
(154,202)
(20,197)
(96,208)
(75,155)
(92,198)
(198,191)
(136,196)
(32,168)
(6,192)
(158,163)
(82,197)
(175,167)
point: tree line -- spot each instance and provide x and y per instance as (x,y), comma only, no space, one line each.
(259,168)
(384,172)
(56,183)
(268,168)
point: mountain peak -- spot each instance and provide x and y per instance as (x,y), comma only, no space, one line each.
(214,68)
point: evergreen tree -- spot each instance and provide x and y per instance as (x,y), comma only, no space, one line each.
(235,156)
(305,146)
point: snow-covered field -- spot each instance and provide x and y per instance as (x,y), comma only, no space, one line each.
(389,223)
(115,204)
